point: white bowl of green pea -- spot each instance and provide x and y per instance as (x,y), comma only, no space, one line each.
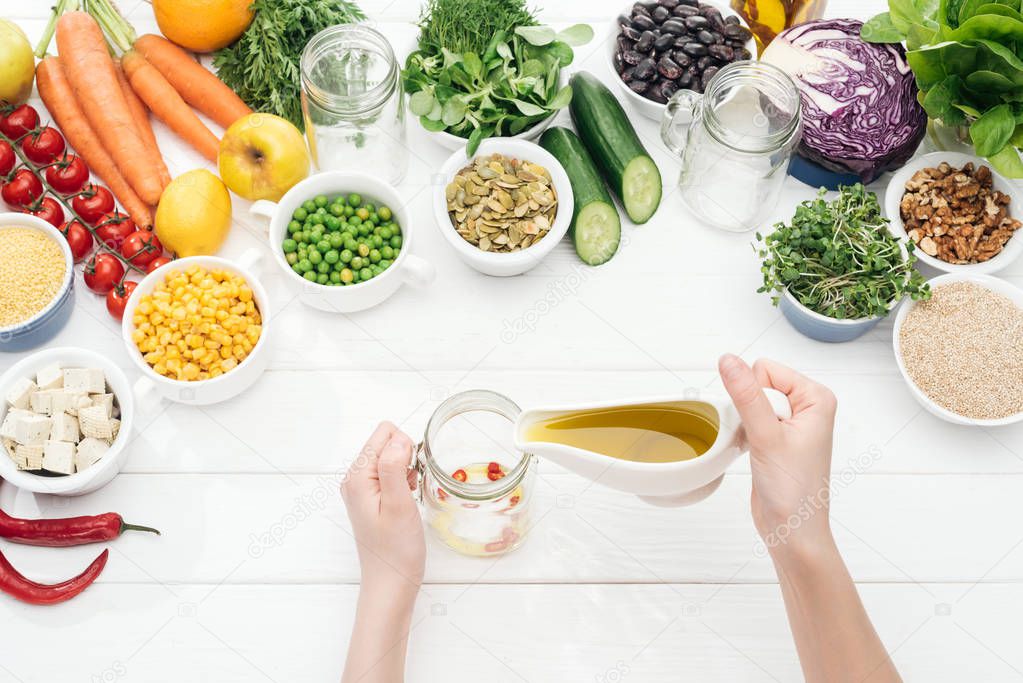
(344,239)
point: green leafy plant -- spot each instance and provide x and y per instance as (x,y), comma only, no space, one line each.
(485,68)
(839,259)
(263,65)
(967,56)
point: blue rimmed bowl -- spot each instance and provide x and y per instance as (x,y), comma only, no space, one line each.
(45,324)
(821,327)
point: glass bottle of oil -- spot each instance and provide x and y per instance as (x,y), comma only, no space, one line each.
(768,18)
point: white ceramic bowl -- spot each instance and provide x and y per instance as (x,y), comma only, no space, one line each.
(646,107)
(406,268)
(995,284)
(514,263)
(203,392)
(897,189)
(106,467)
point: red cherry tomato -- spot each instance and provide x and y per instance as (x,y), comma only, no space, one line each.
(156,263)
(78,238)
(114,228)
(103,272)
(92,203)
(7,158)
(43,146)
(22,189)
(49,209)
(69,175)
(141,247)
(21,120)
(117,298)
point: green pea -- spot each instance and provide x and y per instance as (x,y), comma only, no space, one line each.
(374,256)
(349,211)
(347,276)
(295,268)
(354,200)
(291,258)
(316,219)
(315,257)
(337,209)
(346,256)
(351,244)
(293,227)
(322,279)
(300,214)
(289,245)
(363,250)
(366,274)
(377,241)
(309,205)
(310,275)
(320,200)
(331,256)
(362,213)
(335,278)
(384,213)
(356,262)
(386,251)
(323,268)
(374,219)
(365,230)
(323,246)
(304,265)
(386,233)
(385,263)
(355,220)
(396,242)
(332,223)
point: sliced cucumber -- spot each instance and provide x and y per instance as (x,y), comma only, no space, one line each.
(596,228)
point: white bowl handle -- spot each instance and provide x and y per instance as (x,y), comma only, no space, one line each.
(252,259)
(419,272)
(146,395)
(263,207)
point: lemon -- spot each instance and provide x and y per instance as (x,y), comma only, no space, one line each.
(17,64)
(194,215)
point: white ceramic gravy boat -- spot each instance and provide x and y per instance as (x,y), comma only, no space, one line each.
(665,484)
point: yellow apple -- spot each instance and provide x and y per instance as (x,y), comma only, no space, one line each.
(262,156)
(17,64)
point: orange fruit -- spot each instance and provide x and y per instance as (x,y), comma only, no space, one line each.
(202,25)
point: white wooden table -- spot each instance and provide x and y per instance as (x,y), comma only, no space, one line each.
(255,577)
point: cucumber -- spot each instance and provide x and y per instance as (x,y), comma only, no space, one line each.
(596,228)
(614,145)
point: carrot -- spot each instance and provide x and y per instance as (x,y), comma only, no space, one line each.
(59,99)
(141,116)
(194,83)
(164,101)
(90,70)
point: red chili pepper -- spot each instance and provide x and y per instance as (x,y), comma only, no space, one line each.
(57,533)
(16,585)
(460,475)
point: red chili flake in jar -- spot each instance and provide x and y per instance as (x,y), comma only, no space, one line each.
(494,467)
(460,475)
(494,476)
(471,506)
(513,501)
(441,495)
(495,547)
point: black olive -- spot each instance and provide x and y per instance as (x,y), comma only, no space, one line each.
(660,14)
(646,42)
(685,80)
(663,43)
(638,87)
(684,11)
(681,58)
(640,8)
(708,75)
(732,20)
(696,22)
(707,37)
(668,4)
(669,69)
(722,53)
(627,75)
(694,49)
(674,27)
(645,70)
(624,20)
(642,22)
(667,89)
(631,57)
(630,33)
(736,32)
(742,54)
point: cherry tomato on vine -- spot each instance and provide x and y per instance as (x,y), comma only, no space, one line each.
(92,203)
(156,263)
(49,209)
(22,189)
(141,247)
(113,228)
(7,158)
(78,238)
(44,146)
(21,120)
(69,175)
(117,298)
(103,272)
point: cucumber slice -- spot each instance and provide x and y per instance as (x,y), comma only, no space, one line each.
(597,230)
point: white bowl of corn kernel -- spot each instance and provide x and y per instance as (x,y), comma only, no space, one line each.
(197,329)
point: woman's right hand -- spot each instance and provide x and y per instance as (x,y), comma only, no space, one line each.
(790,459)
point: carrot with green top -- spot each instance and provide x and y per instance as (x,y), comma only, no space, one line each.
(91,72)
(196,85)
(164,101)
(141,116)
(60,100)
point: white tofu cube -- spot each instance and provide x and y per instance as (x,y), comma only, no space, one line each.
(41,401)
(19,394)
(94,422)
(89,452)
(105,400)
(89,380)
(65,428)
(59,456)
(50,377)
(29,457)
(69,401)
(7,430)
(33,430)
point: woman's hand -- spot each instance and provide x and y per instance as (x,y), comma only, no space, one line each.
(790,459)
(385,518)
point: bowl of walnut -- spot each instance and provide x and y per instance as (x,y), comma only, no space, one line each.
(962,216)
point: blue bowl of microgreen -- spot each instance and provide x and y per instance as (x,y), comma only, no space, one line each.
(486,68)
(836,270)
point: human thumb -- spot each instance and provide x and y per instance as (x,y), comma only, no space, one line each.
(757,415)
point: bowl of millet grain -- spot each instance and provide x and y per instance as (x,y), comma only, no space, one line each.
(961,352)
(37,281)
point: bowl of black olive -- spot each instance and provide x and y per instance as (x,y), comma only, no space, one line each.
(663,46)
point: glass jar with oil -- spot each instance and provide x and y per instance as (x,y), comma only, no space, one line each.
(476,488)
(768,18)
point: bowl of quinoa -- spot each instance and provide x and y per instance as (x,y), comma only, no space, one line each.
(961,352)
(37,281)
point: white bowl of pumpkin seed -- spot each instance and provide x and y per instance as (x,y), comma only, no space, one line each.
(504,209)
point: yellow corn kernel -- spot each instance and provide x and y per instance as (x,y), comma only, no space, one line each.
(229,364)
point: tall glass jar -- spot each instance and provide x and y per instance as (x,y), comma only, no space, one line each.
(353,102)
(476,489)
(735,141)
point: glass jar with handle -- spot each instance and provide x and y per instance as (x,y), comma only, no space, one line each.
(735,142)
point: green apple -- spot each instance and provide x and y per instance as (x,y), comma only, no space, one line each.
(262,156)
(17,64)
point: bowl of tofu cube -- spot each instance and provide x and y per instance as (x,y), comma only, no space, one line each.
(65,418)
